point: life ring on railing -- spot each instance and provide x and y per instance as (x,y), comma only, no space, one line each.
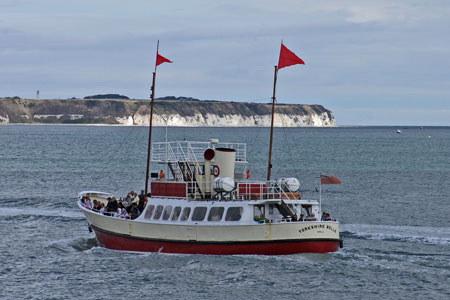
(216,171)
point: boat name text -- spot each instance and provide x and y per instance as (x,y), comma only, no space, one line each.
(317,226)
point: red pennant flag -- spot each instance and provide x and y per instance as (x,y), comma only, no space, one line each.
(288,58)
(161,59)
(324,179)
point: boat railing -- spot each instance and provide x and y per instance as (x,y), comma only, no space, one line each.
(203,190)
(253,190)
(164,152)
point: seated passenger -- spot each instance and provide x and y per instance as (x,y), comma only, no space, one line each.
(302,217)
(94,205)
(141,205)
(114,204)
(134,212)
(122,211)
(132,196)
(87,203)
(141,196)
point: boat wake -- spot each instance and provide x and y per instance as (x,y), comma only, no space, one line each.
(409,234)
(78,244)
(14,212)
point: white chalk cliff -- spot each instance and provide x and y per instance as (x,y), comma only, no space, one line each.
(166,113)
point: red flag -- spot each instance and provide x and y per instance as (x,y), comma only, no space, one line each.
(324,179)
(161,59)
(288,58)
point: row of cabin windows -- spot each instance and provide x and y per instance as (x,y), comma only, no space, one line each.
(199,213)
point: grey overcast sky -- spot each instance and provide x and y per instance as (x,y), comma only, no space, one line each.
(381,62)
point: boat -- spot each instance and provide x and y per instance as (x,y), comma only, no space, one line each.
(202,200)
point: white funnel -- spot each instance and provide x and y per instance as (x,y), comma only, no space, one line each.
(225,159)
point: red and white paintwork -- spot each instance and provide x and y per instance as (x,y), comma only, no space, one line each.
(117,242)
(221,238)
(267,209)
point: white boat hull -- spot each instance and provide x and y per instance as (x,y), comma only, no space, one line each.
(267,239)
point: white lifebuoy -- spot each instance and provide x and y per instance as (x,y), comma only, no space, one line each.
(216,171)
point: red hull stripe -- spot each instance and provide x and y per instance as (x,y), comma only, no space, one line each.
(124,242)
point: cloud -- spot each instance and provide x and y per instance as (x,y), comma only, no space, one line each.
(356,52)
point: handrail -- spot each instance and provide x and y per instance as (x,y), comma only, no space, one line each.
(159,153)
(244,190)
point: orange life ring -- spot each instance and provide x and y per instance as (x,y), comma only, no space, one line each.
(216,171)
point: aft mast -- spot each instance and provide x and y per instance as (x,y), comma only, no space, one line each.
(269,167)
(287,58)
(159,60)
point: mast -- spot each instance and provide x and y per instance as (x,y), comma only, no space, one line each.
(287,58)
(149,147)
(159,60)
(269,167)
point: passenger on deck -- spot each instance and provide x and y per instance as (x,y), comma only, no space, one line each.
(112,205)
(302,217)
(132,196)
(87,203)
(134,212)
(326,217)
(122,211)
(141,196)
(108,205)
(141,205)
(95,205)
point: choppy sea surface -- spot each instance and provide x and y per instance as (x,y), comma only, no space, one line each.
(393,205)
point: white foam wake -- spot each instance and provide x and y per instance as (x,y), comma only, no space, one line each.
(12,211)
(425,235)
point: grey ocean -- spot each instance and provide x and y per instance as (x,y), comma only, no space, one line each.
(393,205)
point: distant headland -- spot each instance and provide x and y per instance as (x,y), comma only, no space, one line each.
(114,109)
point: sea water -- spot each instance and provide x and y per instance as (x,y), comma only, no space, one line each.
(393,205)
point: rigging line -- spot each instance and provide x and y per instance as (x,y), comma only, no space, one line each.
(288,146)
(114,150)
(258,131)
(291,156)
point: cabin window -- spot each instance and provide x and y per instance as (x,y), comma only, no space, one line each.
(199,213)
(158,212)
(273,210)
(201,170)
(259,212)
(185,214)
(215,214)
(234,214)
(149,212)
(306,210)
(167,212)
(176,213)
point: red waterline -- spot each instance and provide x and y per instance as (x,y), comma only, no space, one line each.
(117,242)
